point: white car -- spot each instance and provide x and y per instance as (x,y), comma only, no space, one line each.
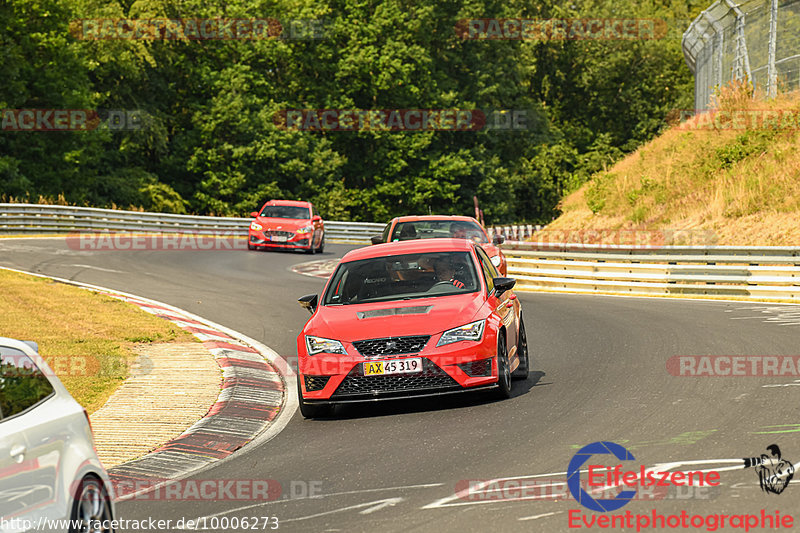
(49,470)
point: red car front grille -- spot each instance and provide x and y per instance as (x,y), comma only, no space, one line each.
(431,378)
(276,233)
(391,345)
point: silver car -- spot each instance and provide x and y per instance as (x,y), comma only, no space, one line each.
(50,476)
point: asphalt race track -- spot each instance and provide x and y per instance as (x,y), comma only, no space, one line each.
(599,374)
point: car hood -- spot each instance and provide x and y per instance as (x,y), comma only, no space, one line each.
(423,316)
(288,224)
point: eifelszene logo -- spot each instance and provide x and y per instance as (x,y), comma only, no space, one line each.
(774,472)
(602,478)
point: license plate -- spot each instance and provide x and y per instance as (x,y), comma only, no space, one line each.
(397,366)
(279,238)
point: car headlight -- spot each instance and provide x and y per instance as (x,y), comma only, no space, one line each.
(468,332)
(255,226)
(317,345)
(307,229)
(496,260)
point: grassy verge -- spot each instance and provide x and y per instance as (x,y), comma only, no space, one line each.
(86,337)
(738,181)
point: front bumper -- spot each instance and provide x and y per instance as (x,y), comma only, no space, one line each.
(329,378)
(403,396)
(258,239)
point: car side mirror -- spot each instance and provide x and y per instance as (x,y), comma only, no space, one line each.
(309,301)
(502,285)
(254,214)
(498,239)
(316,218)
(376,239)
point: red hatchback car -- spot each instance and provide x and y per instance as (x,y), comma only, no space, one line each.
(287,224)
(435,226)
(409,319)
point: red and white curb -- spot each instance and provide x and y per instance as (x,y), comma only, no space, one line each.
(322,268)
(255,404)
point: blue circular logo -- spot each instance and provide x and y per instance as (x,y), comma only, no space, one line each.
(574,476)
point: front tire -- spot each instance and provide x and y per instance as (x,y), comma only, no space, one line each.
(524,367)
(91,505)
(310,410)
(503,369)
(321,244)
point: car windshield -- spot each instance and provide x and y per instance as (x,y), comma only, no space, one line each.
(430,229)
(402,277)
(286,211)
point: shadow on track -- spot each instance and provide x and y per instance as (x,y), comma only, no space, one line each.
(436,403)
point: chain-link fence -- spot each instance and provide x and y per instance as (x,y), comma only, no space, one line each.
(755,40)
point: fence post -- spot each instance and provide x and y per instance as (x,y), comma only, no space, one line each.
(772,74)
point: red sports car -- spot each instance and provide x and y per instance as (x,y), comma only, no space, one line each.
(434,226)
(409,319)
(287,224)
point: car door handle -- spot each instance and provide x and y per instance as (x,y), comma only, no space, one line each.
(18,451)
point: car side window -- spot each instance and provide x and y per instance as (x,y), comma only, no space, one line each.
(489,271)
(22,383)
(385,235)
(314,211)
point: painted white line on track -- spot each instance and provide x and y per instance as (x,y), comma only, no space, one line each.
(796,383)
(371,507)
(319,497)
(96,268)
(537,516)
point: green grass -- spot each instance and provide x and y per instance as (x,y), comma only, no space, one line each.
(741,182)
(86,337)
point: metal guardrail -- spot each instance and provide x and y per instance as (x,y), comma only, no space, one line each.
(38,219)
(352,232)
(758,273)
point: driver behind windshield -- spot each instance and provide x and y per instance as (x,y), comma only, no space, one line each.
(458,230)
(445,271)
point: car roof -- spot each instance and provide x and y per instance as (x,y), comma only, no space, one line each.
(296,203)
(420,218)
(409,247)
